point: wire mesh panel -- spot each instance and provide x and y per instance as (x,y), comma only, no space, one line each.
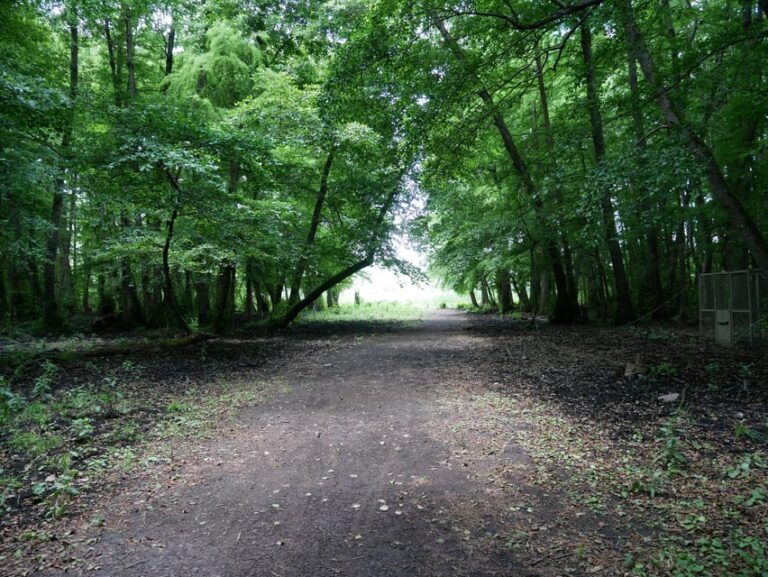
(732,305)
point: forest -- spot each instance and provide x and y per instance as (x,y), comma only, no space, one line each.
(185,164)
(187,187)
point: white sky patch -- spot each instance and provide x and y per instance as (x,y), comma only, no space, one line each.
(378,284)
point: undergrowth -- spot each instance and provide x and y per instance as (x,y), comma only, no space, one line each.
(57,442)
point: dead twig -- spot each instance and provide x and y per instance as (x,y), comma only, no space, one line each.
(549,556)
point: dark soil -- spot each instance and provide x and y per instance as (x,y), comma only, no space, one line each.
(445,447)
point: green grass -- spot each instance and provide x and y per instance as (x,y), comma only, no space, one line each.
(370,311)
(35,443)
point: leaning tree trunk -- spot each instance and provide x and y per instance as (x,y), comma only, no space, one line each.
(565,312)
(313,226)
(738,217)
(373,246)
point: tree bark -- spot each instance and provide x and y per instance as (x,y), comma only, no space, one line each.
(51,312)
(225,299)
(738,217)
(129,51)
(522,294)
(550,142)
(202,288)
(624,309)
(344,274)
(113,64)
(564,310)
(506,304)
(169,46)
(652,252)
(313,226)
(170,295)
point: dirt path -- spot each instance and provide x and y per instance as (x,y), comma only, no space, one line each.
(368,467)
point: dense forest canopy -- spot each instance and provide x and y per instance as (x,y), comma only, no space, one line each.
(180,163)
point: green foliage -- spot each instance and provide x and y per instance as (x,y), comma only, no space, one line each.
(671,450)
(743,468)
(44,381)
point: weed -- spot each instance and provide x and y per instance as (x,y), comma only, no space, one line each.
(745,371)
(744,468)
(176,407)
(383,311)
(10,402)
(663,369)
(126,432)
(757,496)
(670,454)
(82,402)
(59,463)
(652,482)
(44,381)
(692,522)
(743,431)
(35,443)
(82,428)
(35,413)
(712,367)
(130,367)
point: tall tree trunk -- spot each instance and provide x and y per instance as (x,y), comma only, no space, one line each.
(313,226)
(113,64)
(624,309)
(522,294)
(170,43)
(170,295)
(506,304)
(473,299)
(130,305)
(225,299)
(550,142)
(51,312)
(4,305)
(485,300)
(86,290)
(652,253)
(250,284)
(544,291)
(738,217)
(564,310)
(66,286)
(261,301)
(130,49)
(202,289)
(106,302)
(276,294)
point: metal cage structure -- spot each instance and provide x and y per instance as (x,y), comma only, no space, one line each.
(731,305)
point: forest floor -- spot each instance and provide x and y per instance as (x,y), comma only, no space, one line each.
(463,445)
